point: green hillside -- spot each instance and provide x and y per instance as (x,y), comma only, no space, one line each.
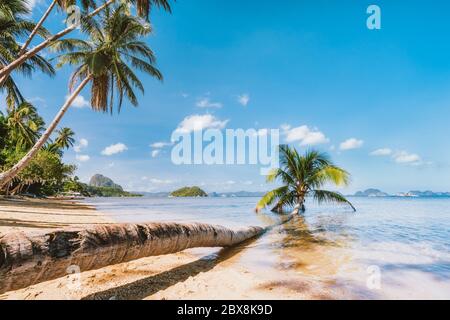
(189,192)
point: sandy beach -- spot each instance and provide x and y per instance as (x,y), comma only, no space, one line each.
(211,273)
(297,260)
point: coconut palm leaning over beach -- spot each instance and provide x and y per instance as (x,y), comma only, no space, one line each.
(143,8)
(13,26)
(304,176)
(104,62)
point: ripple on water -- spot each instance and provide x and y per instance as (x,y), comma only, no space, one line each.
(408,240)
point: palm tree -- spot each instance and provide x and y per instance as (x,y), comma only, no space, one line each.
(11,8)
(13,26)
(64,5)
(143,8)
(24,126)
(104,62)
(304,176)
(3,134)
(65,138)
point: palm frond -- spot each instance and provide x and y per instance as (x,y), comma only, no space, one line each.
(324,196)
(270,197)
(302,175)
(111,56)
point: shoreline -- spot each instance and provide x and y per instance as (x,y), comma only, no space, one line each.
(203,273)
(297,260)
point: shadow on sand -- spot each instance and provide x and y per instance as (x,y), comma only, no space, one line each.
(143,288)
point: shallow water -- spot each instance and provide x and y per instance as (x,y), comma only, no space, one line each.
(390,248)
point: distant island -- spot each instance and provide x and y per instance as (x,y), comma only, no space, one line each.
(189,192)
(197,192)
(99,186)
(371,193)
(413,194)
(98,180)
(238,194)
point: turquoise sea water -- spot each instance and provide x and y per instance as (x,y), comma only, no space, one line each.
(389,248)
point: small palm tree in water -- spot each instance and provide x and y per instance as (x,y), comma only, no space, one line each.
(303,176)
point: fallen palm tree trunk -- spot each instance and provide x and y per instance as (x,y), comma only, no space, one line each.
(26,260)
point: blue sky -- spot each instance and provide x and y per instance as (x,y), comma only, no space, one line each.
(302,63)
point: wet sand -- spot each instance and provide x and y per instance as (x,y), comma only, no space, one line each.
(34,215)
(212,273)
(381,253)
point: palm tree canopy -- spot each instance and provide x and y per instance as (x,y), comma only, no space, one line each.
(302,176)
(12,8)
(65,138)
(12,27)
(25,125)
(114,49)
(143,7)
(85,4)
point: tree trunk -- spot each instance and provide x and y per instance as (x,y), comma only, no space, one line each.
(31,53)
(30,37)
(37,27)
(7,176)
(27,260)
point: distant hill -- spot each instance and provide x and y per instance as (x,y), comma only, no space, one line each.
(100,186)
(161,194)
(413,194)
(371,193)
(189,192)
(99,180)
(425,194)
(238,194)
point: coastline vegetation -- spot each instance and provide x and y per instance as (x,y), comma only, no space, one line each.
(75,185)
(46,173)
(105,57)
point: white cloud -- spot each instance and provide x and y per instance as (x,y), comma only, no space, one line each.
(230,182)
(83,143)
(159,145)
(381,152)
(159,181)
(82,157)
(155,153)
(304,135)
(405,157)
(244,99)
(38,100)
(207,103)
(351,143)
(80,102)
(400,157)
(114,148)
(198,122)
(32,3)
